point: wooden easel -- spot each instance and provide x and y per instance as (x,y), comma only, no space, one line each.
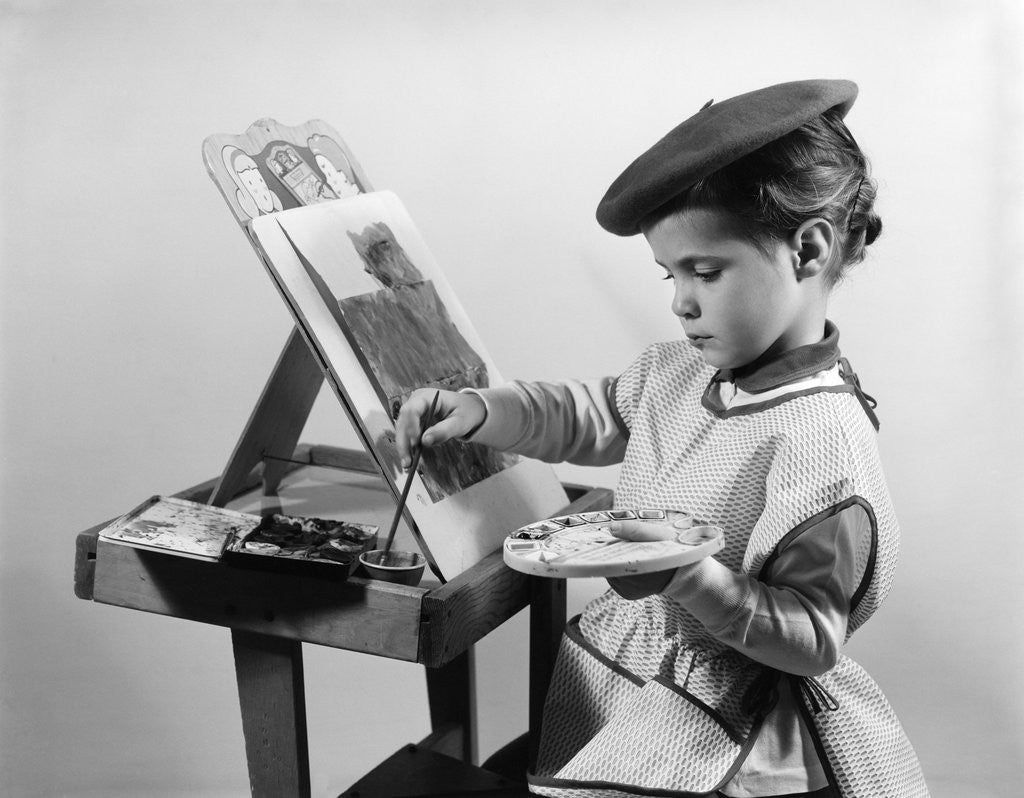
(446,621)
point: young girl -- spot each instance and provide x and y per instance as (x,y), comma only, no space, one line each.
(726,677)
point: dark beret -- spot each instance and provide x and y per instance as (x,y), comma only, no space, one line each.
(715,136)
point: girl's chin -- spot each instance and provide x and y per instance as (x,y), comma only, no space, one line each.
(709,352)
(712,353)
(719,362)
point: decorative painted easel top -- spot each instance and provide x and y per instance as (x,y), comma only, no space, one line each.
(272,167)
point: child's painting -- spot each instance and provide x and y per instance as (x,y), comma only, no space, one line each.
(385,322)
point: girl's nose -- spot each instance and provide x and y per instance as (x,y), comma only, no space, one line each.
(684,304)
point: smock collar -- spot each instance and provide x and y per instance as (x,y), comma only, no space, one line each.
(774,371)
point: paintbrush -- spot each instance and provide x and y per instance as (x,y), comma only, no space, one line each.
(408,481)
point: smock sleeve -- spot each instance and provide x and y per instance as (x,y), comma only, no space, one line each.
(796,620)
(628,388)
(571,420)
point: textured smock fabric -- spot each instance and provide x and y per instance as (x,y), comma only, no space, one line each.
(781,471)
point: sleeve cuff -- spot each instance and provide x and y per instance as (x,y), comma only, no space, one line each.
(504,418)
(710,592)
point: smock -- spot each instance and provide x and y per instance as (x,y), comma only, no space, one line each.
(792,475)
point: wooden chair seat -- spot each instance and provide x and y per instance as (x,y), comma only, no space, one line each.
(417,772)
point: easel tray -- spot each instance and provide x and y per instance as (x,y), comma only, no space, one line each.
(307,546)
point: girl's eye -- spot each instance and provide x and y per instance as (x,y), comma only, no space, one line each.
(704,277)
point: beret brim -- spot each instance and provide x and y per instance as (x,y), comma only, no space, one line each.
(715,136)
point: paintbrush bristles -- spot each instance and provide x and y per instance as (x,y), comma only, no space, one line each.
(408,480)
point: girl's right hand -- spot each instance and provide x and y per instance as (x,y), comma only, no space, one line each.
(457,415)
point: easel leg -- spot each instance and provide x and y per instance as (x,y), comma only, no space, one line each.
(277,421)
(451,692)
(272,699)
(547,620)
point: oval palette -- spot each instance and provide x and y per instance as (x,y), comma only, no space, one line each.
(581,544)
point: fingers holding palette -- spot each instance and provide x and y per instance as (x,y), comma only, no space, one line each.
(582,544)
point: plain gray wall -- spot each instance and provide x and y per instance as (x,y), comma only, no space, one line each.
(138,326)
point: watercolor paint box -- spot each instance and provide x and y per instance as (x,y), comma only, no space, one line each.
(314,546)
(311,546)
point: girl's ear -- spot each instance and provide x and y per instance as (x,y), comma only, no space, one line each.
(813,245)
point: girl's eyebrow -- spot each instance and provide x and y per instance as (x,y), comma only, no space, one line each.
(691,261)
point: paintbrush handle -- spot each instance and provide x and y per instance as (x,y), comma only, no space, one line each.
(401,503)
(408,480)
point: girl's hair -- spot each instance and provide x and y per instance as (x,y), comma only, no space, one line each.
(816,171)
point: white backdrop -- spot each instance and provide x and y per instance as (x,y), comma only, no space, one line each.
(138,327)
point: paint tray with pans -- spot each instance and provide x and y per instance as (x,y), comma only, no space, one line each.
(306,546)
(581,545)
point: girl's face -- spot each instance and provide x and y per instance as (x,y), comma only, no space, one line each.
(735,302)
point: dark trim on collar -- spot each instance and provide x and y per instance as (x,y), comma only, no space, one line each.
(715,408)
(767,373)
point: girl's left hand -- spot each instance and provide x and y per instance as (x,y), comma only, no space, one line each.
(645,530)
(642,585)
